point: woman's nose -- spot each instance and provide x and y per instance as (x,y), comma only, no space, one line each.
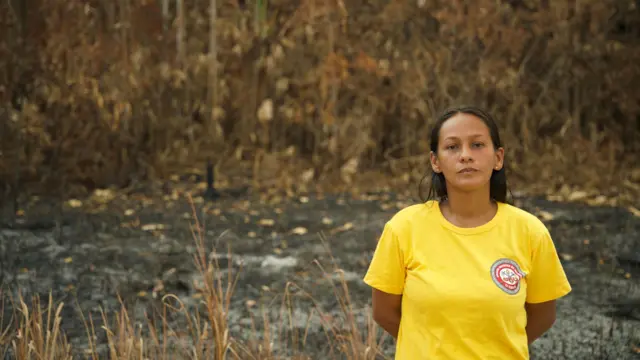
(465,154)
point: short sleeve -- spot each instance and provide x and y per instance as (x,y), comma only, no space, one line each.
(387,269)
(546,279)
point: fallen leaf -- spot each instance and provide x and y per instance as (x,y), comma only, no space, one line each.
(307,175)
(68,260)
(566,257)
(545,215)
(20,212)
(634,211)
(265,288)
(142,294)
(129,212)
(299,230)
(277,251)
(385,206)
(103,195)
(349,169)
(304,199)
(159,286)
(598,200)
(266,222)
(401,205)
(251,234)
(346,227)
(265,111)
(577,195)
(74,203)
(555,198)
(327,221)
(153,227)
(251,303)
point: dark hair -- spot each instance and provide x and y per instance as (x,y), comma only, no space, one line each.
(498,181)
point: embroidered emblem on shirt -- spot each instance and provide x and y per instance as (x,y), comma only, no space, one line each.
(507,275)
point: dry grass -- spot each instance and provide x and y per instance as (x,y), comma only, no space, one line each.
(35,332)
(101,93)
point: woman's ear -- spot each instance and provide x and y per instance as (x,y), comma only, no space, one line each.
(499,159)
(434,162)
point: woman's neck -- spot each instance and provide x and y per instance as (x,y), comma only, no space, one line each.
(469,209)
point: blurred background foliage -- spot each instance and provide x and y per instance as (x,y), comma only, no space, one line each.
(102,93)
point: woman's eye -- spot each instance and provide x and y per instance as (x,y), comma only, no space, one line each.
(478,144)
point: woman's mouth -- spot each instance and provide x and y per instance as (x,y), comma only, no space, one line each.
(467,170)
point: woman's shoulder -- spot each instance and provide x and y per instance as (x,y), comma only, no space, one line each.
(525,219)
(411,213)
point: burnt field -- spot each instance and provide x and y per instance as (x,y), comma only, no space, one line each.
(284,254)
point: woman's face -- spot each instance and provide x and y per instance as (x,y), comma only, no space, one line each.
(466,154)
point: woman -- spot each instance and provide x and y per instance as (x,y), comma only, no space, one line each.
(465,276)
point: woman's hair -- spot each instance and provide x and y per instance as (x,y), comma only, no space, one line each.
(498,181)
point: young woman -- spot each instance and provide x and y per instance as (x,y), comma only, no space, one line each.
(465,276)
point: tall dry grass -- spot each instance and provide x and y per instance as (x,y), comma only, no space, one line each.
(99,93)
(178,331)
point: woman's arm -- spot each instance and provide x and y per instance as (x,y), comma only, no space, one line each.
(540,318)
(387,310)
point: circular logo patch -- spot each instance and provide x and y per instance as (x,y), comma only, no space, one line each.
(507,275)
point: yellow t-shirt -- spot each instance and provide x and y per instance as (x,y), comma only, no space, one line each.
(464,289)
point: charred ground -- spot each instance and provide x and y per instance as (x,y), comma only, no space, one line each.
(141,247)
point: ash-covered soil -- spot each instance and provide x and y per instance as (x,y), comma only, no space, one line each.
(141,247)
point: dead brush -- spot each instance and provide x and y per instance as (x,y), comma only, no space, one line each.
(216,298)
(203,332)
(345,336)
(37,332)
(355,342)
(121,93)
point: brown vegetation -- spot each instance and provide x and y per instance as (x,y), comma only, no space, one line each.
(99,93)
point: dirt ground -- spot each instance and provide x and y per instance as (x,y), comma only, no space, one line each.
(131,244)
